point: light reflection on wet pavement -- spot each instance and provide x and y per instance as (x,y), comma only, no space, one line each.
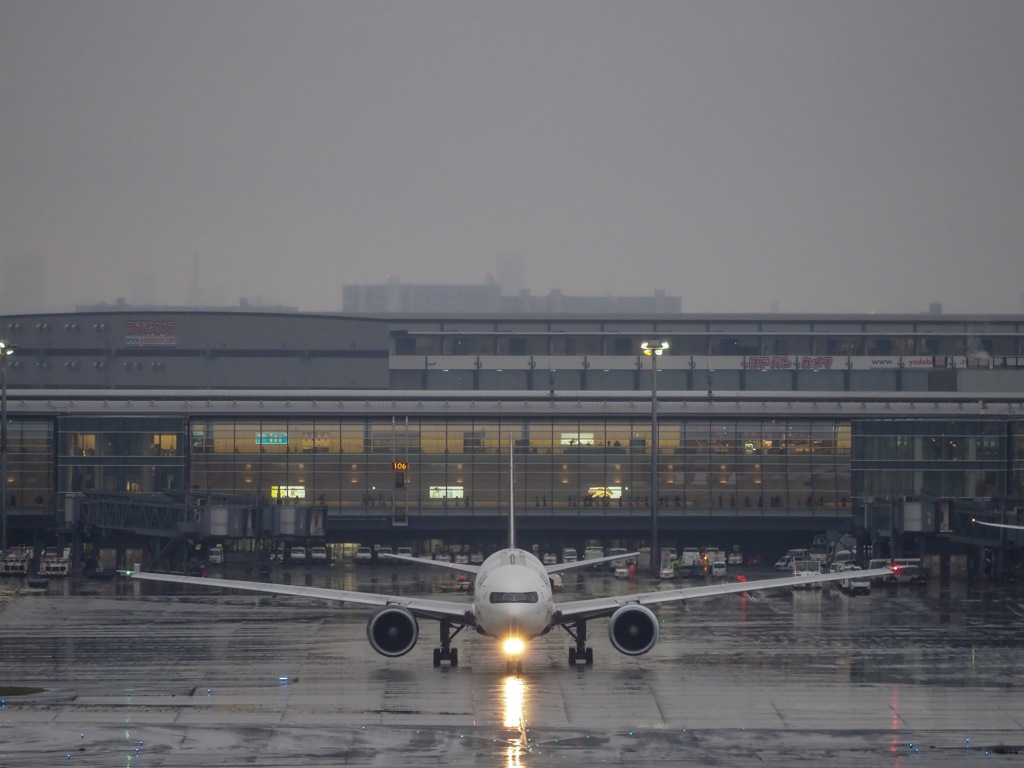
(159,675)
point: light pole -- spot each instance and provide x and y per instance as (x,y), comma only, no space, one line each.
(5,350)
(652,349)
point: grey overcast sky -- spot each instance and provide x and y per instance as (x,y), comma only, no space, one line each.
(831,156)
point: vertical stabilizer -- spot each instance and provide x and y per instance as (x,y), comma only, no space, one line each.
(511,494)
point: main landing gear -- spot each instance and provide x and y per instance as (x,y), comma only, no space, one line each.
(445,652)
(578,632)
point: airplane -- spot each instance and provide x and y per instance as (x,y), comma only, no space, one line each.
(513,603)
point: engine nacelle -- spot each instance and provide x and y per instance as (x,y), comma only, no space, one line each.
(392,631)
(633,629)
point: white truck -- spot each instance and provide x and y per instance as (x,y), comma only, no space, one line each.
(690,557)
(593,553)
(807,567)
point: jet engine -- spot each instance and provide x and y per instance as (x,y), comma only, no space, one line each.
(392,631)
(633,629)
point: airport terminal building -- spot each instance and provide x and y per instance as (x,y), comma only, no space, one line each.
(754,430)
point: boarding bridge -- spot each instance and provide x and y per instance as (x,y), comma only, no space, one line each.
(167,515)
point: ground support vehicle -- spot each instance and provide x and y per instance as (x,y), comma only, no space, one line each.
(621,562)
(855,585)
(807,568)
(55,563)
(16,561)
(908,574)
(593,553)
(690,557)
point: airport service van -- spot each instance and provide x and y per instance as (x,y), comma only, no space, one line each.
(855,585)
(621,562)
(690,557)
(843,557)
(215,556)
(593,553)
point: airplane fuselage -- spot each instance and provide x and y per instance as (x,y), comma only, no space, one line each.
(512,596)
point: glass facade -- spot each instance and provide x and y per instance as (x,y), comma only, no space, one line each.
(29,483)
(121,454)
(949,459)
(1017,460)
(562,464)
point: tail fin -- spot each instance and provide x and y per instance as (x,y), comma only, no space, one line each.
(511,494)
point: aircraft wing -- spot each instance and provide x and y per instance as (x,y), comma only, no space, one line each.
(559,567)
(463,567)
(595,607)
(424,607)
(1000,525)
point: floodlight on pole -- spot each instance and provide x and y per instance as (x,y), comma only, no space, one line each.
(653,349)
(5,350)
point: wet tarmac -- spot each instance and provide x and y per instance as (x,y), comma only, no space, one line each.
(143,674)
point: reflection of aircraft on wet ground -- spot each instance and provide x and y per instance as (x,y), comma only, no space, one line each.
(513,602)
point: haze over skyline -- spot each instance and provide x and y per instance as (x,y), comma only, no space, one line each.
(829,157)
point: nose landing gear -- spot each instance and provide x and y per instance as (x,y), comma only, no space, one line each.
(445,652)
(581,652)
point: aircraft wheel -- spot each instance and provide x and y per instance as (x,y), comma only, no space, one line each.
(455,657)
(572,657)
(589,656)
(519,668)
(437,657)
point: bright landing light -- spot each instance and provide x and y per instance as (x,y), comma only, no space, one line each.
(513,646)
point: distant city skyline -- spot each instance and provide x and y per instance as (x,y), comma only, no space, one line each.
(745,156)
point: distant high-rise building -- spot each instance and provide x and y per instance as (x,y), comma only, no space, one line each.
(492,297)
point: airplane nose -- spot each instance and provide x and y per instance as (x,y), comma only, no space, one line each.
(519,620)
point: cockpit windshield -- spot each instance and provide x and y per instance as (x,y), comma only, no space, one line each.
(514,597)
